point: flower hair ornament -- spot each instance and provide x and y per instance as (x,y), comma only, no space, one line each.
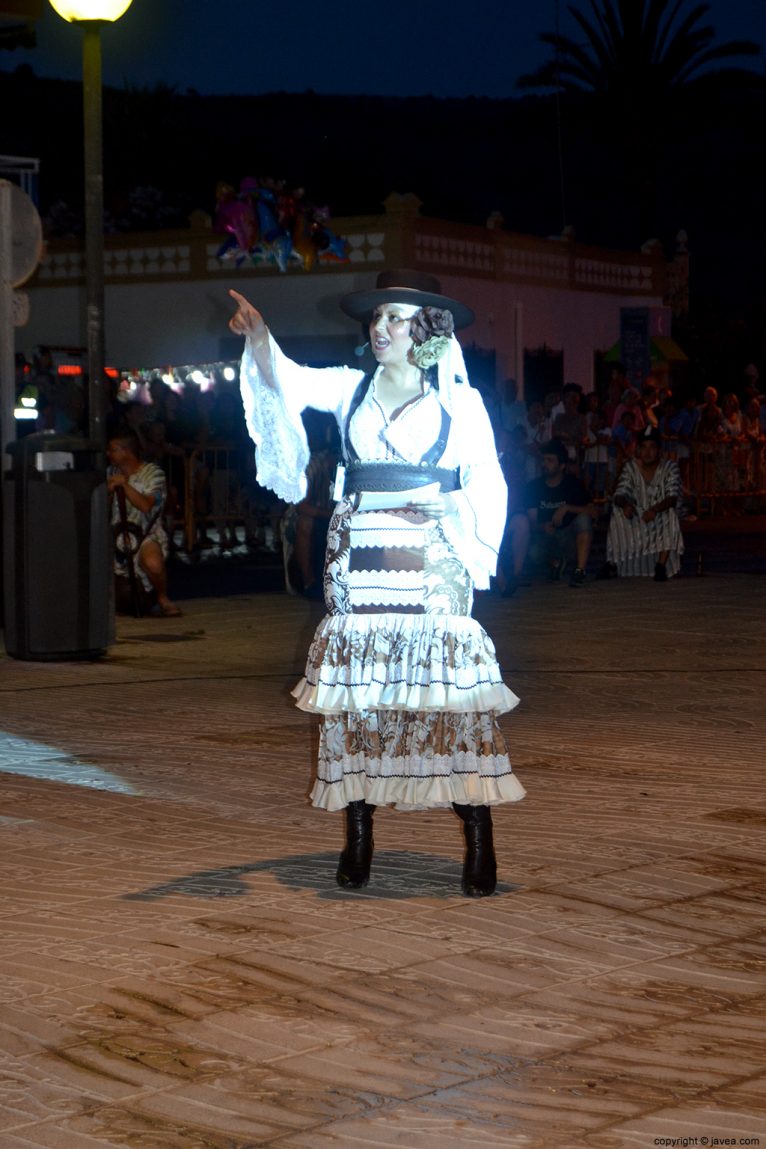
(431,329)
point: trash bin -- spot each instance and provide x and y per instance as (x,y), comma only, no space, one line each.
(58,593)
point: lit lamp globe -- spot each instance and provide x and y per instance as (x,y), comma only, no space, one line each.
(76,10)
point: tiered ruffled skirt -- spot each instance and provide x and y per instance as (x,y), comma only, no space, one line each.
(407,683)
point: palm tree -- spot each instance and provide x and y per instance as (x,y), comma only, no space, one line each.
(637,76)
(635,47)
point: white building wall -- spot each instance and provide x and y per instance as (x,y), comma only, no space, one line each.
(185,321)
(512,318)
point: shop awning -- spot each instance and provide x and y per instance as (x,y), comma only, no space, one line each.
(662,349)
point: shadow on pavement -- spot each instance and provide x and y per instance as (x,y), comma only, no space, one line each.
(396,875)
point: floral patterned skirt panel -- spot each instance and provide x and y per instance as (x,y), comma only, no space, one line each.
(407,683)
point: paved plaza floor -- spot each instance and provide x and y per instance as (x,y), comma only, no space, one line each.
(178,969)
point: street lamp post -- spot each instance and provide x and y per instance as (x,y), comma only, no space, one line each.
(91,15)
(58,586)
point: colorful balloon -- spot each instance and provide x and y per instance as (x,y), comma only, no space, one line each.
(267,223)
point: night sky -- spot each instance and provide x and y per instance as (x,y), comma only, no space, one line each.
(444,48)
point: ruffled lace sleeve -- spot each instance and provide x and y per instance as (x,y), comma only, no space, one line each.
(476,530)
(273,400)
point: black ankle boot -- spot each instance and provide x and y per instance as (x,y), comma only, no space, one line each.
(354,865)
(480,866)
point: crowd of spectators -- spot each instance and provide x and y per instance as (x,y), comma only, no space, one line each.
(196,434)
(617,446)
(601,431)
(193,429)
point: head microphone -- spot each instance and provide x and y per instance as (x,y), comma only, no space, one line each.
(359,351)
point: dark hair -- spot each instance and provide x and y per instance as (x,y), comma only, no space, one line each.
(555,447)
(129,441)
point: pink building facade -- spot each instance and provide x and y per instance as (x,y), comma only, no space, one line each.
(167,293)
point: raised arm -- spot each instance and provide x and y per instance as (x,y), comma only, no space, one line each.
(275,391)
(248,321)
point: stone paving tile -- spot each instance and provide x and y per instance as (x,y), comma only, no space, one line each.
(179,968)
(21,984)
(531,963)
(72,964)
(726,867)
(727,912)
(707,974)
(393,1065)
(554,1099)
(690,1055)
(739,962)
(747,1097)
(519,1029)
(374,950)
(645,888)
(399,999)
(22,1034)
(217,936)
(682,1123)
(501,973)
(266,1030)
(460,934)
(629,1000)
(141,1058)
(28,1096)
(369,1002)
(414,1126)
(526,912)
(630,940)
(198,1115)
(550,907)
(68,1076)
(55,1137)
(71,1133)
(666,928)
(308,1098)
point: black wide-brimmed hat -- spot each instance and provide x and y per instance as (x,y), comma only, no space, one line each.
(402,285)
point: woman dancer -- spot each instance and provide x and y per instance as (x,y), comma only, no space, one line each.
(406,682)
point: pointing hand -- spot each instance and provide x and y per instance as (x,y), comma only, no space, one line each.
(246,319)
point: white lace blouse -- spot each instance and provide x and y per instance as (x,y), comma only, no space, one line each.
(273,419)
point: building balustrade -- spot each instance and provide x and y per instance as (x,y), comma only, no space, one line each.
(400,237)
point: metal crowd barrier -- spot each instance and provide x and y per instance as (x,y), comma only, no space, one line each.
(725,471)
(210,486)
(716,473)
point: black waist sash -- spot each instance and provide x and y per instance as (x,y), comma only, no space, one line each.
(398,477)
(393,476)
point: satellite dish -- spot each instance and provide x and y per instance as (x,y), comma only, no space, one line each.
(26,236)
